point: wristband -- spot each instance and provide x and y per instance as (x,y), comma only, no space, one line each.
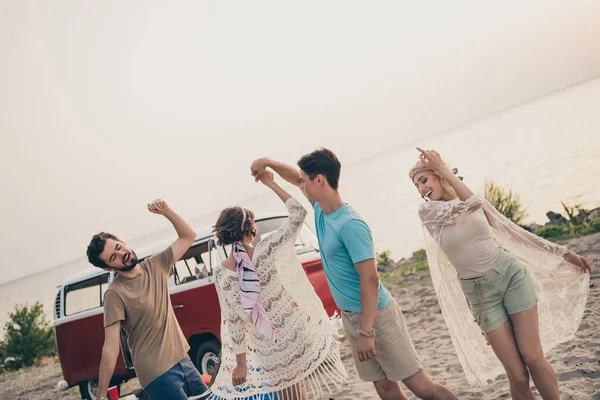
(369,334)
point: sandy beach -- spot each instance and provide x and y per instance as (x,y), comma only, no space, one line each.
(577,363)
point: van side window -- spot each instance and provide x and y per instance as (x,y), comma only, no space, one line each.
(197,263)
(85,295)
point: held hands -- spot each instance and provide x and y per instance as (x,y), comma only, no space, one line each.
(266,178)
(239,374)
(578,261)
(432,159)
(258,167)
(159,207)
(365,347)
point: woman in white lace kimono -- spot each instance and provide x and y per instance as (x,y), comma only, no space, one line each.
(524,293)
(276,336)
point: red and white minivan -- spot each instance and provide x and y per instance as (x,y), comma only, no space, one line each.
(78,313)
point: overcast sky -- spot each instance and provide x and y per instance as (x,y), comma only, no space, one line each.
(108,105)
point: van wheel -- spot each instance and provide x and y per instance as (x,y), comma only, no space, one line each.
(88,389)
(205,358)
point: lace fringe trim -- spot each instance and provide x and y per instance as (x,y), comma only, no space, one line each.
(328,378)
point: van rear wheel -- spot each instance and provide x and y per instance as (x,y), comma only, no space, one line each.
(88,389)
(205,358)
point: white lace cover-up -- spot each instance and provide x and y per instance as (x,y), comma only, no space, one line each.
(304,351)
(561,287)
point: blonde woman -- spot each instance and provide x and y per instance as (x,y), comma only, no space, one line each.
(524,293)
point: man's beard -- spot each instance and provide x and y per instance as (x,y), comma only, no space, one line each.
(134,261)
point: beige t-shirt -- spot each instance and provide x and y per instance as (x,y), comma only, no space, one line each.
(143,305)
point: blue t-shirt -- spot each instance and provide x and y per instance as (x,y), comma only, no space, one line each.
(344,240)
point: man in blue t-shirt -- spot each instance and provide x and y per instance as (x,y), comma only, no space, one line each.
(368,310)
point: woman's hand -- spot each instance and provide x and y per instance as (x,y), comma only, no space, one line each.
(267,178)
(433,160)
(258,167)
(578,261)
(239,374)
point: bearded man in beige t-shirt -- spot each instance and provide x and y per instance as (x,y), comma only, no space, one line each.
(138,300)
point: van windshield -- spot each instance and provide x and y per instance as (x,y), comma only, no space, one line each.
(305,242)
(198,262)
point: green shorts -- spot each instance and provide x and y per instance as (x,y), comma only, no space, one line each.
(505,290)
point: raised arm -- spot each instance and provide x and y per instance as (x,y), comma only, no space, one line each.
(287,172)
(432,159)
(296,210)
(285,234)
(186,235)
(293,224)
(267,179)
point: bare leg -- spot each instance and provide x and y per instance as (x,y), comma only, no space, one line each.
(504,345)
(295,392)
(527,332)
(388,390)
(424,388)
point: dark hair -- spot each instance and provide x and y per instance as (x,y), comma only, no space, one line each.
(228,227)
(322,161)
(96,247)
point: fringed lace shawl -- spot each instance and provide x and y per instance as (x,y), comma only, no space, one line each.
(561,287)
(304,353)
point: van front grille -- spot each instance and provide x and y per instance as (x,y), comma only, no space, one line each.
(57,306)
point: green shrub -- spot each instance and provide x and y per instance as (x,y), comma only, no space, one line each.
(383,257)
(567,231)
(576,213)
(553,232)
(594,225)
(28,336)
(420,256)
(419,267)
(507,202)
(391,277)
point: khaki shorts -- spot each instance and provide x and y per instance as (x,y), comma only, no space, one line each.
(396,357)
(505,290)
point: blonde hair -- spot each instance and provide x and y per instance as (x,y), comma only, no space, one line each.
(420,167)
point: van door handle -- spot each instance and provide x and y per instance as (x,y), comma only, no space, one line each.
(177,306)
